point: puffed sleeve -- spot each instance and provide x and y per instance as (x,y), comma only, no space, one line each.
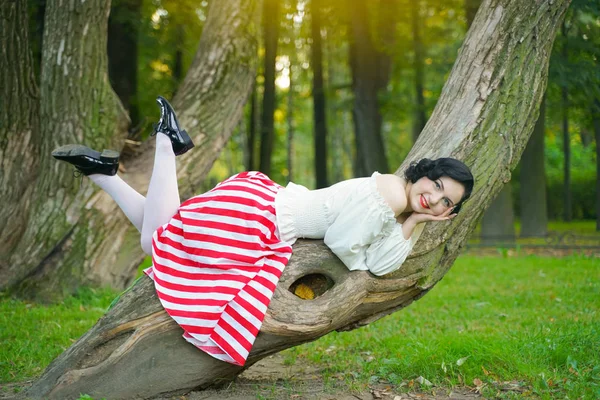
(388,253)
(362,218)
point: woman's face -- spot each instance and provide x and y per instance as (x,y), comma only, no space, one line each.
(435,197)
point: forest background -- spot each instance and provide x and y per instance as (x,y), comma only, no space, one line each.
(309,83)
(412,46)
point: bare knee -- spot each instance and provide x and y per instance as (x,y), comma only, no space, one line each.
(146,243)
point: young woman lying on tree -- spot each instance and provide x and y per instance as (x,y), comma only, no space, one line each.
(218,256)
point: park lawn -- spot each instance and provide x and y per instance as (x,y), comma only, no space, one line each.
(528,320)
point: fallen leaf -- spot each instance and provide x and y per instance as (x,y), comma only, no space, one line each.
(424,381)
(461,361)
(304,292)
(477,382)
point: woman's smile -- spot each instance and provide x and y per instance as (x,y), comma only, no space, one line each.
(424,203)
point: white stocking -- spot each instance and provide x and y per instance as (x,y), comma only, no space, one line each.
(162,199)
(130,201)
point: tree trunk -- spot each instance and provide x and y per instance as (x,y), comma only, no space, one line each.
(419,118)
(498,223)
(19,126)
(568,213)
(122,53)
(252,128)
(290,123)
(37,9)
(77,105)
(320,120)
(178,58)
(489,102)
(596,123)
(271,33)
(534,213)
(370,151)
(90,240)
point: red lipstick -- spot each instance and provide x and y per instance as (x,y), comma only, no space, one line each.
(423,202)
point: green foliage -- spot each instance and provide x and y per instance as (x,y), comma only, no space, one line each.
(583,178)
(167,27)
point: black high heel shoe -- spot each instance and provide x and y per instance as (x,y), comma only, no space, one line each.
(88,161)
(169,125)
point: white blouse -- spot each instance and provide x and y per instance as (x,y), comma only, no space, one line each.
(354,220)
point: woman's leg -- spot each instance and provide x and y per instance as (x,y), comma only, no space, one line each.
(126,197)
(162,199)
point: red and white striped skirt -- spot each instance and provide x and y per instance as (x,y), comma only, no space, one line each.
(217,262)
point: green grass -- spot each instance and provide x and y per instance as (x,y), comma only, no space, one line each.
(531,321)
(32,335)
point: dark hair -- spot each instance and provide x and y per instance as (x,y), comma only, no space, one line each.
(435,169)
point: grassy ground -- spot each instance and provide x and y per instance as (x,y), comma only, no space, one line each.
(531,323)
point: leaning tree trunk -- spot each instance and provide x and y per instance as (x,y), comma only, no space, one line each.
(488,105)
(78,235)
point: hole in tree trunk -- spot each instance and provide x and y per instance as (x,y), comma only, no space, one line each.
(311,286)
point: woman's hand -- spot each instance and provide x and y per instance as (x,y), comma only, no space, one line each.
(417,218)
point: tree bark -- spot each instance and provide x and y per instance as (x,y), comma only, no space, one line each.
(419,118)
(79,235)
(19,125)
(370,151)
(271,34)
(489,103)
(77,105)
(123,51)
(320,120)
(534,213)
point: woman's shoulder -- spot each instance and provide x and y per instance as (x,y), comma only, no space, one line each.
(393,190)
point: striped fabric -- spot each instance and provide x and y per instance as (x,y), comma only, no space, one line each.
(217,262)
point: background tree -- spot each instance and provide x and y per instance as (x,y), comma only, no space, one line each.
(74,234)
(370,151)
(123,24)
(534,213)
(420,119)
(500,71)
(320,120)
(271,35)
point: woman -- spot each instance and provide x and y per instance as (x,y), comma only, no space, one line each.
(218,256)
